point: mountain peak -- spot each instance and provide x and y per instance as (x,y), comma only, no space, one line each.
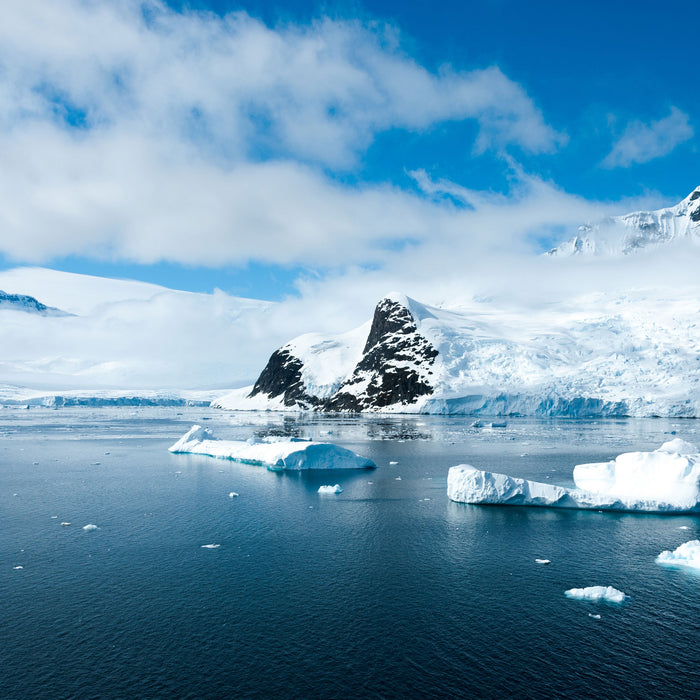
(630,233)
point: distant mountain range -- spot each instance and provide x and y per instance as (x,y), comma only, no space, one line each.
(623,235)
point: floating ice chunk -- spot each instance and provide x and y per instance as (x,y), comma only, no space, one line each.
(277,455)
(393,462)
(684,527)
(594,616)
(90,527)
(211,546)
(661,481)
(688,554)
(65,524)
(596,594)
(330,489)
(398,478)
(233,494)
(542,561)
(17,568)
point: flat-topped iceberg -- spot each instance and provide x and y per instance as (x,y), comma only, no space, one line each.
(274,453)
(687,555)
(595,594)
(666,480)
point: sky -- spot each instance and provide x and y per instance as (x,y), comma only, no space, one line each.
(310,149)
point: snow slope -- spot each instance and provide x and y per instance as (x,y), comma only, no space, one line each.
(623,235)
(125,338)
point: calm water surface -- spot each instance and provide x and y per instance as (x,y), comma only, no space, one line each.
(387,590)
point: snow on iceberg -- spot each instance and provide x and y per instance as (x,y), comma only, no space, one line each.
(275,454)
(666,480)
(596,594)
(688,554)
(327,488)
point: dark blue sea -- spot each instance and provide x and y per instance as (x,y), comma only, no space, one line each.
(387,590)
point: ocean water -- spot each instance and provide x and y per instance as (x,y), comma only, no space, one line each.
(387,590)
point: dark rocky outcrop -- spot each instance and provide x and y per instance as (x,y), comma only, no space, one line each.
(395,364)
(282,377)
(394,368)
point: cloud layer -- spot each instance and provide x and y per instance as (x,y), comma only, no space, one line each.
(642,142)
(132,132)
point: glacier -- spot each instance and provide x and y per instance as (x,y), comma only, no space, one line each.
(687,555)
(277,454)
(666,480)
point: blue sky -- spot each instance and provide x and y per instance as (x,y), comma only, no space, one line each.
(248,146)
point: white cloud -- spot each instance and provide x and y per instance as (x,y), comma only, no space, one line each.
(132,132)
(642,142)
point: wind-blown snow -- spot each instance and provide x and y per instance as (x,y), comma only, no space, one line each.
(665,480)
(278,454)
(596,594)
(687,555)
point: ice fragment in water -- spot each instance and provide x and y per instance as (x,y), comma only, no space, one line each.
(326,488)
(596,594)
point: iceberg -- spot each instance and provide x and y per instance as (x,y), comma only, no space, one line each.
(687,555)
(595,594)
(277,454)
(326,488)
(666,480)
(90,527)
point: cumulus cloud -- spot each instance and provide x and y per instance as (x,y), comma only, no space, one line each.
(642,142)
(130,131)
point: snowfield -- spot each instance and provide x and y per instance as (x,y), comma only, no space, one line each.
(276,454)
(664,481)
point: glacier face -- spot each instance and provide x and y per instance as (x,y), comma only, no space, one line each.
(666,480)
(628,234)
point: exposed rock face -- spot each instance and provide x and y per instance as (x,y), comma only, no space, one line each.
(282,377)
(23,302)
(395,364)
(395,368)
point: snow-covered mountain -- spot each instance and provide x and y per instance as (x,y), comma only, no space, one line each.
(636,354)
(27,304)
(622,235)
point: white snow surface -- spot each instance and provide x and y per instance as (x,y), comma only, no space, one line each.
(687,555)
(277,455)
(666,480)
(596,594)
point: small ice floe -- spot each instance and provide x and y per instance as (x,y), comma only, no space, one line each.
(595,616)
(233,494)
(393,462)
(94,464)
(327,488)
(54,517)
(211,546)
(90,527)
(684,527)
(370,482)
(17,568)
(35,464)
(595,594)
(398,478)
(542,561)
(687,555)
(65,524)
